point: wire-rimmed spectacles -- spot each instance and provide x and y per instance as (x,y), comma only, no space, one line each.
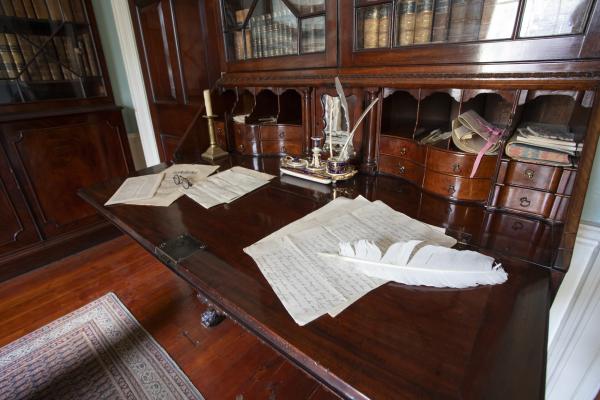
(182,180)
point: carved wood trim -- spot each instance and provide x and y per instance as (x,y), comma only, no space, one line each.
(14,211)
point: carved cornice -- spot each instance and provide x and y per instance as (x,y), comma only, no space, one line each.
(367,79)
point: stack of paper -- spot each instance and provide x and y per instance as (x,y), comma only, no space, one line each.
(305,284)
(159,189)
(226,186)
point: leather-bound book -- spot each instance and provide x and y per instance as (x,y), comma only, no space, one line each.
(473,16)
(457,20)
(11,56)
(238,45)
(54,11)
(441,19)
(406,19)
(384,27)
(424,21)
(370,28)
(40,9)
(77,11)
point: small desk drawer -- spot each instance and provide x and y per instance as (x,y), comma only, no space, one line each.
(525,200)
(281,132)
(281,147)
(401,147)
(534,176)
(402,168)
(459,164)
(246,132)
(457,188)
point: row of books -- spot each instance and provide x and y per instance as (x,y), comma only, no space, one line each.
(544,144)
(30,57)
(426,21)
(276,34)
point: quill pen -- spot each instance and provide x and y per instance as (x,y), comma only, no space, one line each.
(434,266)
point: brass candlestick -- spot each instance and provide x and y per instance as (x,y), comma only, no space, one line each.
(214,151)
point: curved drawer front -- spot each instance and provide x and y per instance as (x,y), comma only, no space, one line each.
(281,132)
(402,168)
(535,176)
(401,147)
(457,188)
(526,200)
(460,164)
(281,147)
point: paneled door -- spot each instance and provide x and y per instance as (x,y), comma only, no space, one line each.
(179,61)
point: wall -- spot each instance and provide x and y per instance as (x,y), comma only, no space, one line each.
(114,61)
(591,209)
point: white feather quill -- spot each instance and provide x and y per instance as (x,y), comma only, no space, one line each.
(430,265)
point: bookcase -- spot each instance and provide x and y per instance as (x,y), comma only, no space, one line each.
(267,34)
(59,131)
(47,52)
(447,31)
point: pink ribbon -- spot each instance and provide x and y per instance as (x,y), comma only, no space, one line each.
(493,138)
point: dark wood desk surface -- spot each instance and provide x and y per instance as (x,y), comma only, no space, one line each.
(396,342)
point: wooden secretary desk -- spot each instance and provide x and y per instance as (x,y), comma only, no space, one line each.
(512,61)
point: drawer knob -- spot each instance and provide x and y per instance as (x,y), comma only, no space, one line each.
(281,134)
(451,189)
(525,202)
(403,151)
(402,169)
(241,146)
(529,173)
(517,226)
(456,168)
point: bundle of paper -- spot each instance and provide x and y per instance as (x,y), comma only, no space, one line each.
(306,285)
(435,136)
(543,144)
(159,189)
(226,186)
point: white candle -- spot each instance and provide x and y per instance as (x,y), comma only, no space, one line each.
(207,103)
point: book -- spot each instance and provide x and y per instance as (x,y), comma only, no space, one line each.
(90,54)
(238,45)
(384,27)
(77,11)
(536,154)
(8,69)
(54,10)
(550,131)
(473,14)
(458,14)
(441,19)
(406,21)
(423,21)
(370,28)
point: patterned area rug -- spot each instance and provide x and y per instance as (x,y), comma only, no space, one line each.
(97,352)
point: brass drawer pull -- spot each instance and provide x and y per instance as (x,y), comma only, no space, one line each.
(529,173)
(283,149)
(525,202)
(517,226)
(281,134)
(456,168)
(403,151)
(402,169)
(242,147)
(451,189)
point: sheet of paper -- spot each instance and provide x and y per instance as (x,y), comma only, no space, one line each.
(168,191)
(223,187)
(253,173)
(351,285)
(300,287)
(136,188)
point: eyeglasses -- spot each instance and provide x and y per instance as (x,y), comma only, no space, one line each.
(182,180)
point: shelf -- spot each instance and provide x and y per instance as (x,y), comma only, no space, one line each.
(37,27)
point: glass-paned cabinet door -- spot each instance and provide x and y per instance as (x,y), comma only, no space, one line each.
(419,22)
(47,52)
(259,29)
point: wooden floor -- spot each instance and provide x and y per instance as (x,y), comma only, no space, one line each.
(224,362)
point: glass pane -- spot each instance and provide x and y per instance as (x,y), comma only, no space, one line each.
(373,27)
(309,6)
(313,35)
(47,52)
(498,19)
(235,12)
(554,17)
(271,30)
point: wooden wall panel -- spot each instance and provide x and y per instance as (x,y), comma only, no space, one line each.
(173,46)
(55,158)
